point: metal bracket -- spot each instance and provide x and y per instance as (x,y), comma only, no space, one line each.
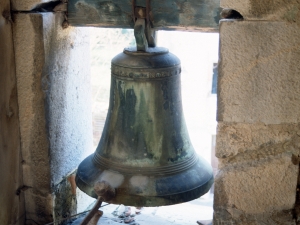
(140,36)
(144,33)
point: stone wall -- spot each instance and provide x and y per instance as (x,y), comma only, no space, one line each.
(53,82)
(258,139)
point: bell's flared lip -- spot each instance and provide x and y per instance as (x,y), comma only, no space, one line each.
(166,196)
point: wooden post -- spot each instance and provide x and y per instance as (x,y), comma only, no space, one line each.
(11,182)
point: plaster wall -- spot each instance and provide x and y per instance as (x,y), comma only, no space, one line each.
(66,85)
(52,68)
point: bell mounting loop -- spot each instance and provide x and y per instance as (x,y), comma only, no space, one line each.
(144,33)
(140,36)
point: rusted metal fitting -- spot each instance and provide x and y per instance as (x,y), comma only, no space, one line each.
(105,192)
(144,33)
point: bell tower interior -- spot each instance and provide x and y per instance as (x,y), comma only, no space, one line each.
(45,96)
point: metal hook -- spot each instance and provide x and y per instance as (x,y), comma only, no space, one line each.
(140,37)
(144,34)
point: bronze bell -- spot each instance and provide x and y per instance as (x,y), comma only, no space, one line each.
(145,151)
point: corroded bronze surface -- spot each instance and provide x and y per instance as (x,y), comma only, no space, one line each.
(145,152)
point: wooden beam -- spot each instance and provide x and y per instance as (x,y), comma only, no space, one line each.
(12,201)
(190,15)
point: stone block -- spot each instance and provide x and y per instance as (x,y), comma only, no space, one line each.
(276,10)
(259,72)
(223,217)
(39,206)
(26,5)
(239,141)
(29,57)
(256,192)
